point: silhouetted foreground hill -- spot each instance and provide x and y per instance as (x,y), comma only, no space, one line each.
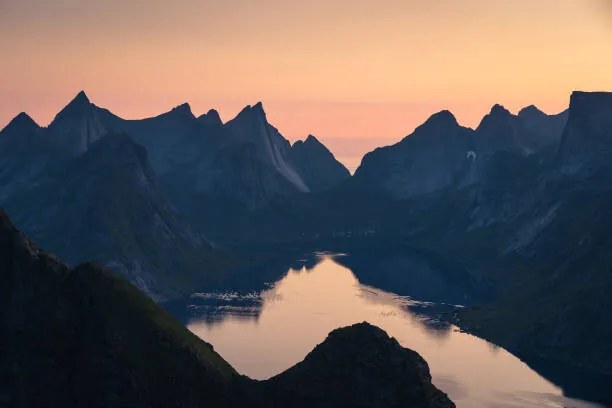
(84,337)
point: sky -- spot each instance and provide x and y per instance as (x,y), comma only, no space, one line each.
(357,74)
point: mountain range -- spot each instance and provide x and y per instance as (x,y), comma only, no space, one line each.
(520,203)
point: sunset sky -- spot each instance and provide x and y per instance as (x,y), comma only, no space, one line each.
(357,74)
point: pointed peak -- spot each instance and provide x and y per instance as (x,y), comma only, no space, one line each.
(78,105)
(309,141)
(21,123)
(80,99)
(253,111)
(312,139)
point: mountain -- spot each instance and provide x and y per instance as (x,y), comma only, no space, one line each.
(554,262)
(84,337)
(107,206)
(529,132)
(363,359)
(437,155)
(586,145)
(21,124)
(317,165)
(172,139)
(211,119)
(251,131)
(246,160)
(547,129)
(80,124)
(26,154)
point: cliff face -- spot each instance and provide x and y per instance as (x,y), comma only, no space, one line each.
(586,144)
(84,337)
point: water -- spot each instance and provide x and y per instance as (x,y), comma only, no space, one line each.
(264,333)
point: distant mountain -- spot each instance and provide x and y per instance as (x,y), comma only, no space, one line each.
(441,154)
(317,165)
(26,154)
(80,124)
(438,154)
(21,124)
(546,130)
(172,139)
(84,337)
(554,263)
(107,206)
(211,119)
(246,160)
(586,145)
(524,134)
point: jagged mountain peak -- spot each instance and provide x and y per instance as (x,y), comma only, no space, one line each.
(81,98)
(78,106)
(20,124)
(251,112)
(312,139)
(309,141)
(211,118)
(497,116)
(79,102)
(183,109)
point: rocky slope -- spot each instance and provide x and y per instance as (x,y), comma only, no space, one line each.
(439,154)
(84,337)
(27,153)
(245,160)
(317,165)
(557,273)
(80,124)
(107,206)
(349,365)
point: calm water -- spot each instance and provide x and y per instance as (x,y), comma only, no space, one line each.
(264,333)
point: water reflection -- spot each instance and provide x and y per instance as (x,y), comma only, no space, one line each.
(262,334)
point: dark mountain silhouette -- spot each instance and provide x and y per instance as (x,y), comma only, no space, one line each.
(26,154)
(21,124)
(586,145)
(107,206)
(521,202)
(555,306)
(80,124)
(317,165)
(84,337)
(211,119)
(246,161)
(437,155)
(529,132)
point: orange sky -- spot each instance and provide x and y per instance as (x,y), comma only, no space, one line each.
(355,73)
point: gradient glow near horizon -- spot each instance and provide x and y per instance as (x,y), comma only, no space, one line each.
(357,74)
